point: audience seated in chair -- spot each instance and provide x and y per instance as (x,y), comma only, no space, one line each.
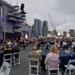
(16,54)
(53,55)
(34,54)
(16,48)
(7,47)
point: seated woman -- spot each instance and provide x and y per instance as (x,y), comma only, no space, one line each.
(53,55)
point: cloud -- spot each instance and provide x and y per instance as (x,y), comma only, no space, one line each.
(67,6)
(65,27)
(59,10)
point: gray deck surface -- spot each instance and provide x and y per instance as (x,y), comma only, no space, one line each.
(22,69)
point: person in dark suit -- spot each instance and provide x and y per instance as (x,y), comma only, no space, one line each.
(16,48)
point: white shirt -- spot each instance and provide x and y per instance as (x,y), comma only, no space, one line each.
(64,43)
(73,44)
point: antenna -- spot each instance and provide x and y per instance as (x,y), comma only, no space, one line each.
(54,27)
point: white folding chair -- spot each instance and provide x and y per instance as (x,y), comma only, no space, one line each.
(31,46)
(27,47)
(37,66)
(70,67)
(8,58)
(54,68)
(21,46)
(5,69)
(41,47)
(16,61)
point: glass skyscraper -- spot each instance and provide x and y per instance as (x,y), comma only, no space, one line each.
(37,28)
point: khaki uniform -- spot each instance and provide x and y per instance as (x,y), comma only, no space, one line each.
(34,54)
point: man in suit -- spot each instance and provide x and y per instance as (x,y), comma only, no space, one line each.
(34,54)
(15,50)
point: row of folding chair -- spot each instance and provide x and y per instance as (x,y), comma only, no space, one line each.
(27,47)
(42,46)
(38,67)
(12,58)
(30,46)
(70,68)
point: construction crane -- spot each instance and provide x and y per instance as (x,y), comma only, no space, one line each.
(67,29)
(54,28)
(66,26)
(51,22)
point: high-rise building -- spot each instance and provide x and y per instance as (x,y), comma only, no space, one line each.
(55,32)
(37,28)
(64,34)
(45,28)
(71,32)
(33,31)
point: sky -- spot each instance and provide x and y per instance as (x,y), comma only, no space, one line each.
(61,12)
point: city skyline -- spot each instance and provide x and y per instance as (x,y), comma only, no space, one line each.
(59,10)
